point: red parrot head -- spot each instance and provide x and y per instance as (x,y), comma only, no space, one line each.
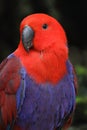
(44,42)
(41,31)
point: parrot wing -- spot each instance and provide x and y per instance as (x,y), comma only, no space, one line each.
(72,74)
(9,83)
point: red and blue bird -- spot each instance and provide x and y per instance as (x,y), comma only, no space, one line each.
(37,81)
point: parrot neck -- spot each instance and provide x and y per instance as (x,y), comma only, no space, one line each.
(43,67)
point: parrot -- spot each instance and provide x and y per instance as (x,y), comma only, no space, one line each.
(38,83)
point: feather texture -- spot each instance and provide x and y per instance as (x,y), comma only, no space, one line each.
(46,106)
(9,83)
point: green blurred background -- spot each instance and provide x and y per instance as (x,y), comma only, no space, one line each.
(73,17)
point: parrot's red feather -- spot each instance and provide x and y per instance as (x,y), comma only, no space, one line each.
(49,65)
(68,123)
(16,128)
(46,60)
(9,83)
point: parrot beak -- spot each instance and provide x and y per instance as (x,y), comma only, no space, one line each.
(27,37)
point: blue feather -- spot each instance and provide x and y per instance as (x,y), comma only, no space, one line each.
(45,105)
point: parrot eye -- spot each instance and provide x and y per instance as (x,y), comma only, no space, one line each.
(45,26)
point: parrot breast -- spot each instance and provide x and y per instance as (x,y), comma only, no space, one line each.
(46,66)
(44,106)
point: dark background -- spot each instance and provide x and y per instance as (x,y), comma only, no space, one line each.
(73,17)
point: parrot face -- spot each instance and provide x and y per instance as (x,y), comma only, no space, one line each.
(43,42)
(37,81)
(47,31)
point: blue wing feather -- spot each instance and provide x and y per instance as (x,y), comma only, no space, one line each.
(20,95)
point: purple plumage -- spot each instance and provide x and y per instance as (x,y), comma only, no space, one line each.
(44,106)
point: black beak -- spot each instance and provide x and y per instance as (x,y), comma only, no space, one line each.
(27,37)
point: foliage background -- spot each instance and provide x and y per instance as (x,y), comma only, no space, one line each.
(73,17)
